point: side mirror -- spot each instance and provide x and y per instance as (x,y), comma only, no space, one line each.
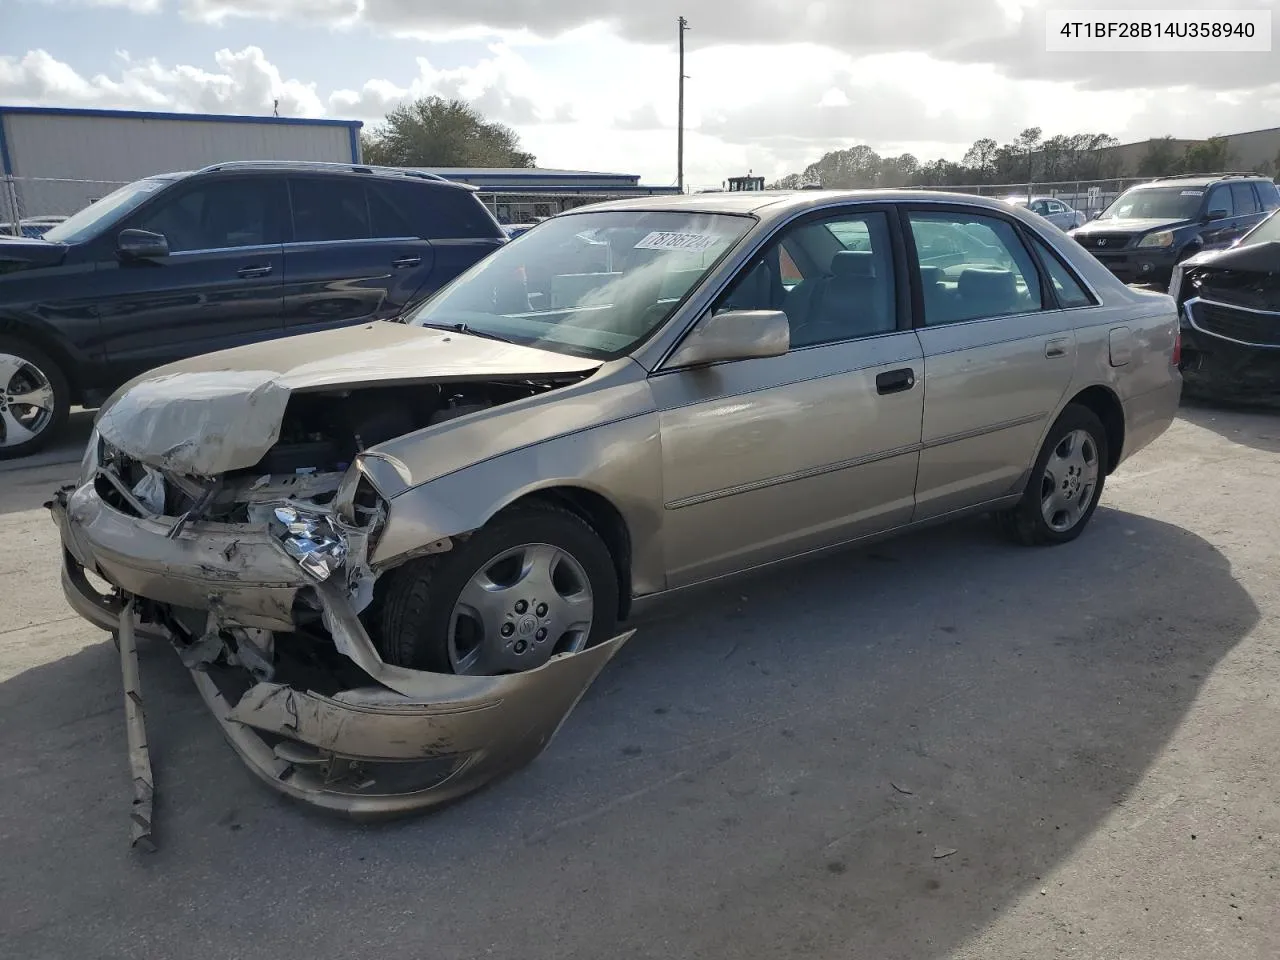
(1216,215)
(734,335)
(141,245)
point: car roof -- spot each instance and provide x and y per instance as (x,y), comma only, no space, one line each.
(1197,180)
(778,204)
(317,166)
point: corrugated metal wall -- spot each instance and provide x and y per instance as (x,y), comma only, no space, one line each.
(62,162)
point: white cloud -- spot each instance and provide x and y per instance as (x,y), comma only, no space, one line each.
(245,82)
(502,86)
(335,12)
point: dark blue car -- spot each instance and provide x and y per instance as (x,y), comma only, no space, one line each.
(187,263)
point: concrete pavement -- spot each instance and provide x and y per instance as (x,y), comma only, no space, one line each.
(939,747)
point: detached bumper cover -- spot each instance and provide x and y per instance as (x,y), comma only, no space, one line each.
(407,741)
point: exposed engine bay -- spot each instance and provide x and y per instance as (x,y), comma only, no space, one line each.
(294,489)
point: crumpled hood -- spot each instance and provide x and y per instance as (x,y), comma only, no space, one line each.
(223,411)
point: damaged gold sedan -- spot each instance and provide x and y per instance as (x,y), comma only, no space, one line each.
(395,556)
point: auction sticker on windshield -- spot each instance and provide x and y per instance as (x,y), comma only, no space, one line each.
(686,242)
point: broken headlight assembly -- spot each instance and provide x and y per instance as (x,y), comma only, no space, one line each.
(325,538)
(312,540)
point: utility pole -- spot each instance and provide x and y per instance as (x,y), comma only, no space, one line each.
(684,26)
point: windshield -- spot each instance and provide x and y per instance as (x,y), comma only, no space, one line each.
(1156,203)
(588,284)
(1265,232)
(93,218)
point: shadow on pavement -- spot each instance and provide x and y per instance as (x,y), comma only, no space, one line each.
(1253,426)
(869,756)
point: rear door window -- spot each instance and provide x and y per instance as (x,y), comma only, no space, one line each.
(438,211)
(1070,291)
(1245,201)
(972,267)
(329,208)
(386,218)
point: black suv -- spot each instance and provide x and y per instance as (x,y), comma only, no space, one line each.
(1154,225)
(186,263)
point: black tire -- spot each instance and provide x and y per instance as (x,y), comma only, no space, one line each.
(1025,523)
(52,425)
(415,609)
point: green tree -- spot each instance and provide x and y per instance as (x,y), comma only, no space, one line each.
(1206,156)
(434,132)
(1161,158)
(981,159)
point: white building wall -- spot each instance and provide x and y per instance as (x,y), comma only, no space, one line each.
(62,162)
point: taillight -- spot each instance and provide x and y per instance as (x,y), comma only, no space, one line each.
(1177,349)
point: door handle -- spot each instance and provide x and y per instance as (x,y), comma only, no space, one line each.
(249,273)
(406,262)
(1056,348)
(895,381)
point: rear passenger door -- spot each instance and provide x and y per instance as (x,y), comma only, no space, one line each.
(998,354)
(352,256)
(459,227)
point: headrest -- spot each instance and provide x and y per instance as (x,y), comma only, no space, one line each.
(853,263)
(987,282)
(930,275)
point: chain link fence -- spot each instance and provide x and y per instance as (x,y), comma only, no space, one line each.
(26,199)
(1090,197)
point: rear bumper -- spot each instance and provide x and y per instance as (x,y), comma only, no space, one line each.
(404,741)
(1149,415)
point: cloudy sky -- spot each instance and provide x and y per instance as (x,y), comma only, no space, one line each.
(591,84)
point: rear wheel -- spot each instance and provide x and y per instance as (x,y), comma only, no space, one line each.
(533,583)
(1066,482)
(34,398)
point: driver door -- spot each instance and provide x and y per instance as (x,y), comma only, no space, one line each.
(773,457)
(220,286)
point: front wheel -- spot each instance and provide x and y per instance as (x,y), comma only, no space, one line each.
(1066,482)
(534,582)
(34,398)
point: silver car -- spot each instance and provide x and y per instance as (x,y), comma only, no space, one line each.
(394,556)
(1056,211)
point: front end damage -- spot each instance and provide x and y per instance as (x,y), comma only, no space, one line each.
(260,577)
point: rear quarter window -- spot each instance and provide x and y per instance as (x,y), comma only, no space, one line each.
(440,212)
(1268,195)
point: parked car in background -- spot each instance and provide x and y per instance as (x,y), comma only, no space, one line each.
(182,264)
(30,226)
(1056,211)
(1230,307)
(488,488)
(1153,226)
(514,230)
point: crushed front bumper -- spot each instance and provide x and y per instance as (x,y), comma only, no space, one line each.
(406,740)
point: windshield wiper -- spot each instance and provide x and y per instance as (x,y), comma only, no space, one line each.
(469,331)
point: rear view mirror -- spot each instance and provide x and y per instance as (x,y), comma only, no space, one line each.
(734,335)
(1216,215)
(141,245)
